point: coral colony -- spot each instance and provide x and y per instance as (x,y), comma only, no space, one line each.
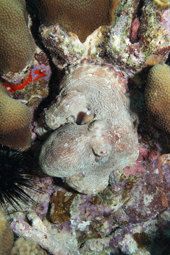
(84,127)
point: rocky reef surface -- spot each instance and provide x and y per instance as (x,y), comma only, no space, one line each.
(77,102)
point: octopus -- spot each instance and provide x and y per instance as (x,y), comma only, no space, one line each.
(95,133)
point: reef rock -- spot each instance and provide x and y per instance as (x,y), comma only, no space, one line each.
(95,132)
(134,36)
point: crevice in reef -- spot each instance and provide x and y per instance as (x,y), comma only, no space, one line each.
(135,37)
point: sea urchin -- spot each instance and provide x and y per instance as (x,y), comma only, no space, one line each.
(14,177)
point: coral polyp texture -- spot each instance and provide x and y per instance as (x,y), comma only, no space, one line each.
(157,96)
(86,153)
(15,122)
(6,236)
(17,44)
(24,247)
(77,16)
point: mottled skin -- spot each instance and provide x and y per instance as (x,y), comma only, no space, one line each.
(86,154)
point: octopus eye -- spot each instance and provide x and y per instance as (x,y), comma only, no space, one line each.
(85,117)
(88,116)
(102,151)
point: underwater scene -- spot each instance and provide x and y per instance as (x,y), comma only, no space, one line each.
(84,127)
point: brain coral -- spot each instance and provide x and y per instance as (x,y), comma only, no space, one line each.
(17,45)
(80,17)
(157,96)
(24,247)
(6,236)
(14,121)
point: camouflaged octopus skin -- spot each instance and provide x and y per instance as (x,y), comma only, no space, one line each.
(84,151)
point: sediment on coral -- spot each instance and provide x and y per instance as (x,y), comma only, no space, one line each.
(17,44)
(15,122)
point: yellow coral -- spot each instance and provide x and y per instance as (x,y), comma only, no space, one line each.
(25,247)
(162,4)
(14,121)
(78,16)
(157,96)
(6,236)
(17,45)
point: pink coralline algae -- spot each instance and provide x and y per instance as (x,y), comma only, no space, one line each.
(150,194)
(86,153)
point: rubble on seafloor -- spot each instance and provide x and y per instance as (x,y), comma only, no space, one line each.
(103,180)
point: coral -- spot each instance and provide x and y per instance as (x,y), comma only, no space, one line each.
(79,17)
(157,96)
(87,153)
(38,232)
(163,4)
(91,133)
(24,247)
(15,122)
(136,39)
(6,236)
(17,45)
